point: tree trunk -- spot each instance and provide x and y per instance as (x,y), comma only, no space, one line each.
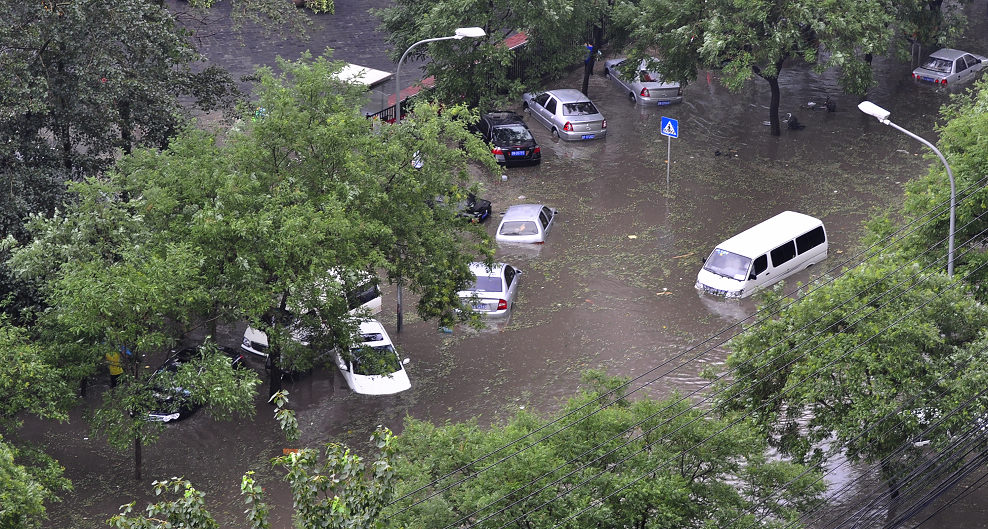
(126,127)
(888,473)
(400,308)
(274,374)
(773,107)
(137,458)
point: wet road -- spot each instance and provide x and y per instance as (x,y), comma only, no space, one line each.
(611,290)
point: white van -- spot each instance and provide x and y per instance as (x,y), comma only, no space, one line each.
(763,255)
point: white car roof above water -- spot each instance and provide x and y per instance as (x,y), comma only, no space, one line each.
(373,327)
(764,236)
(480,269)
(523,212)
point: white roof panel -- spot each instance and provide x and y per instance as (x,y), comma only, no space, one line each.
(768,234)
(354,73)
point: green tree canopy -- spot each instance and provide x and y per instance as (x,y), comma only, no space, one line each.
(963,141)
(641,463)
(863,363)
(246,227)
(487,73)
(28,479)
(747,39)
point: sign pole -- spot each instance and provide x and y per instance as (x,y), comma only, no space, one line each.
(668,160)
(670,129)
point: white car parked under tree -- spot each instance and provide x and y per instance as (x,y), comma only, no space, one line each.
(372,366)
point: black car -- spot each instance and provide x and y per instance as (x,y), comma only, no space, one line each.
(173,403)
(511,141)
(474,209)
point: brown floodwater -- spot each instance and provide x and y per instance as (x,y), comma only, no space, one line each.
(612,289)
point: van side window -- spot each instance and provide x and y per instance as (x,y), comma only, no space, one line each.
(761,263)
(783,253)
(810,240)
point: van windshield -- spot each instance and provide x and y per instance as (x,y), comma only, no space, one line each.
(728,264)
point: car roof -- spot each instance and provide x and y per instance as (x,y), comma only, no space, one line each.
(480,269)
(503,117)
(523,212)
(568,95)
(641,64)
(770,233)
(949,54)
(373,327)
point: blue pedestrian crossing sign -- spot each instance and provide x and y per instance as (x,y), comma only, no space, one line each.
(670,127)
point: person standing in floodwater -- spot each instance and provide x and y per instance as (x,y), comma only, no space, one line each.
(114,365)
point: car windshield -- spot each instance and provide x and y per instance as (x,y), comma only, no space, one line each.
(511,134)
(486,284)
(583,108)
(519,227)
(727,264)
(380,360)
(937,65)
(646,76)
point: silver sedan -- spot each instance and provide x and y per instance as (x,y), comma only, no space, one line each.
(493,291)
(948,66)
(526,224)
(641,84)
(567,113)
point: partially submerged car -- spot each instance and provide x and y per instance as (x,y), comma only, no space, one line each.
(371,366)
(471,208)
(948,66)
(526,223)
(509,137)
(493,290)
(363,295)
(173,403)
(567,113)
(642,84)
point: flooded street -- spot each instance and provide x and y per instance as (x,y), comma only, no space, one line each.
(612,289)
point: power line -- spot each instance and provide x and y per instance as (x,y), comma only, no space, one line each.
(902,476)
(874,425)
(733,423)
(976,486)
(635,426)
(958,450)
(609,393)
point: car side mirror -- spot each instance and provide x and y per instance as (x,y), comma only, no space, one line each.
(703,260)
(753,276)
(406,361)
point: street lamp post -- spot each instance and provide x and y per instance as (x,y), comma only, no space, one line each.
(882,116)
(471,32)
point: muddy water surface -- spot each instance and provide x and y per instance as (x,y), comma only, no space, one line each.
(612,289)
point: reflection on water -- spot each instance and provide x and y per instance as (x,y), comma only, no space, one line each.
(729,310)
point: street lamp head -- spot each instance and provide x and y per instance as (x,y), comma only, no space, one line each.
(472,32)
(874,110)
